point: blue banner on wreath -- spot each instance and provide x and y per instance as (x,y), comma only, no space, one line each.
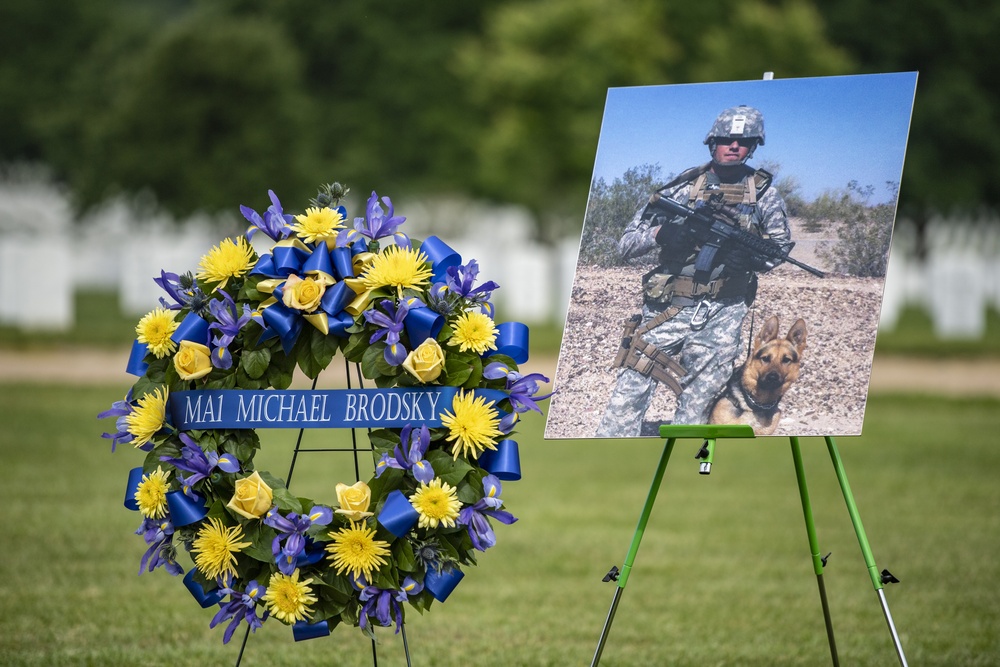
(319,408)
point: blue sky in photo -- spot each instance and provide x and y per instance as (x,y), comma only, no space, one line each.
(823,131)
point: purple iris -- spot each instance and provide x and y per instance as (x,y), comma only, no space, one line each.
(522,390)
(460,279)
(275,223)
(227,326)
(375,225)
(241,605)
(194,460)
(121,410)
(390,326)
(476,517)
(291,539)
(383,604)
(409,454)
(159,535)
(183,290)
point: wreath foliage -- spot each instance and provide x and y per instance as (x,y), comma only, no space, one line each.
(293,292)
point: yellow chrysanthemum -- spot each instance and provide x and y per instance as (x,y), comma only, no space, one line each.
(355,549)
(398,267)
(318,224)
(473,427)
(151,494)
(229,259)
(474,331)
(437,504)
(288,599)
(148,417)
(155,330)
(215,548)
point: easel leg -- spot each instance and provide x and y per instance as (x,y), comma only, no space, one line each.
(818,564)
(866,551)
(634,548)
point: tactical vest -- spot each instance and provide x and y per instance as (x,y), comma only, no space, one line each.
(671,283)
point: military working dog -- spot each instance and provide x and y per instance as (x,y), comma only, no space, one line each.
(754,390)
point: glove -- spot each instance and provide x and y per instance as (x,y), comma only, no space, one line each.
(673,235)
(742,261)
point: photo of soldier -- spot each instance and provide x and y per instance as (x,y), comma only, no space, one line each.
(695,301)
(744,286)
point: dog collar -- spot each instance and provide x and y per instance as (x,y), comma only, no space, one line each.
(756,405)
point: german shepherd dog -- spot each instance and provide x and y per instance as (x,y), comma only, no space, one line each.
(753,392)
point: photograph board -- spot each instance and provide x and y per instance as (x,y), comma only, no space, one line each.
(674,317)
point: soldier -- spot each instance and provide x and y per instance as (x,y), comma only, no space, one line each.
(688,335)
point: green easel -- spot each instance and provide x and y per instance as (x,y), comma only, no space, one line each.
(710,433)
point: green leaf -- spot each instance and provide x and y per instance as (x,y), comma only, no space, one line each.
(383,439)
(457,369)
(448,469)
(356,346)
(261,536)
(255,362)
(303,353)
(323,348)
(402,552)
(371,358)
(469,494)
(475,375)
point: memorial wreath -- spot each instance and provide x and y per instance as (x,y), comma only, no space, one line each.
(215,362)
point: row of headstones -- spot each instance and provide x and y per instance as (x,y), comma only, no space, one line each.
(39,275)
(44,259)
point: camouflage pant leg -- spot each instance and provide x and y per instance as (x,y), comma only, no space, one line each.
(627,405)
(708,356)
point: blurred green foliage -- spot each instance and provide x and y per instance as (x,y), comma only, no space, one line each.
(203,103)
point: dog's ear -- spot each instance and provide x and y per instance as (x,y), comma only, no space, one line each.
(769,331)
(797,335)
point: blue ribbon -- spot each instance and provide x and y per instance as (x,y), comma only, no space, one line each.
(421,324)
(312,553)
(504,461)
(184,510)
(321,408)
(193,328)
(397,515)
(441,256)
(136,366)
(442,584)
(302,631)
(286,323)
(206,600)
(134,479)
(512,340)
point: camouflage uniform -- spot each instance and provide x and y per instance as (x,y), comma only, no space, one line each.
(706,353)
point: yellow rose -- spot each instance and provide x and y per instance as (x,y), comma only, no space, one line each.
(252,497)
(302,293)
(193,360)
(426,362)
(354,500)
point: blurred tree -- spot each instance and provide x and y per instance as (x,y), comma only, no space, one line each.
(209,114)
(393,112)
(610,208)
(39,42)
(540,72)
(951,158)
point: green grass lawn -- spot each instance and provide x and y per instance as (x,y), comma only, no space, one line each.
(724,575)
(100,323)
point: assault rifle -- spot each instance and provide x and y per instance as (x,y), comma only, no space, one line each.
(708,229)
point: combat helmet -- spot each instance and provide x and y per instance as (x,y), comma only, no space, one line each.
(737,122)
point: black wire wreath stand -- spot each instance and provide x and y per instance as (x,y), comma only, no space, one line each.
(354,449)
